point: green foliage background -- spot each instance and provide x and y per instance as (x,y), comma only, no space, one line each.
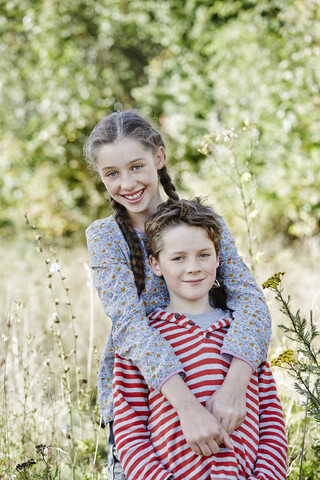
(190,65)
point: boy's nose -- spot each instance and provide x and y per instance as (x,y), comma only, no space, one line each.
(193,266)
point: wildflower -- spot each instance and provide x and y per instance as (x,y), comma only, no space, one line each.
(274,281)
(24,465)
(54,267)
(41,448)
(246,177)
(284,357)
(65,431)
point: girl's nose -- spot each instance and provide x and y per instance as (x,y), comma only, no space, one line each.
(128,183)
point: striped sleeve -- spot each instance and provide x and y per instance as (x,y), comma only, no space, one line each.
(136,452)
(272,451)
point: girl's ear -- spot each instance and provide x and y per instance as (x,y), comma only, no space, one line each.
(160,158)
(218,261)
(155,265)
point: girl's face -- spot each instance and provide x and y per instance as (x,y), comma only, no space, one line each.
(188,263)
(129,172)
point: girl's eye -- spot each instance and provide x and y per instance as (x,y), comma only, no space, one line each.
(176,259)
(111,174)
(203,255)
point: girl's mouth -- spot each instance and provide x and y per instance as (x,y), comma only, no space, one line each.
(134,197)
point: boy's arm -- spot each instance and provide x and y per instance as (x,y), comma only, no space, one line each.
(131,412)
(272,452)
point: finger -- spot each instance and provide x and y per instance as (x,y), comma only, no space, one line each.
(214,446)
(225,422)
(231,428)
(227,441)
(206,449)
(195,448)
(239,422)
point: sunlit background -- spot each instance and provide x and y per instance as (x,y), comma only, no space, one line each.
(192,67)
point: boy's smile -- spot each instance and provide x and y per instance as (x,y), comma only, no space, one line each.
(188,263)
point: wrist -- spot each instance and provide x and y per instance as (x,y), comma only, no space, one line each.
(178,394)
(238,375)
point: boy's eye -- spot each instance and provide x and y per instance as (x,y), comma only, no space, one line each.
(136,167)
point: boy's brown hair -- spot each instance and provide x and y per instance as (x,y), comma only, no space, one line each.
(185,212)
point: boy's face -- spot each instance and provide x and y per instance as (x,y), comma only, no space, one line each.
(188,263)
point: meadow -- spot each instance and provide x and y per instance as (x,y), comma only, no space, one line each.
(52,334)
(234,88)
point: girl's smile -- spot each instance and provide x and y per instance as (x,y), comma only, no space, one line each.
(129,172)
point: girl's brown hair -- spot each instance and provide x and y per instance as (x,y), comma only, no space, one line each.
(116,126)
(185,212)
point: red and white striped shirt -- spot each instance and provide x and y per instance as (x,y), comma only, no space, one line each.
(148,435)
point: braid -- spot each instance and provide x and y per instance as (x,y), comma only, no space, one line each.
(121,125)
(167,184)
(136,255)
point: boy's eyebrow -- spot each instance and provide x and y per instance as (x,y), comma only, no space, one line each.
(179,252)
(110,167)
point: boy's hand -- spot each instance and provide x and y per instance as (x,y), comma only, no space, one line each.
(228,403)
(203,432)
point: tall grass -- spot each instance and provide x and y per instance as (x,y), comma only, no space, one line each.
(52,333)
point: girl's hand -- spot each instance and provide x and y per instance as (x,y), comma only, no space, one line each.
(201,429)
(228,403)
(203,433)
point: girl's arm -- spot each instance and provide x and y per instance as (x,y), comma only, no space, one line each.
(228,403)
(130,336)
(248,336)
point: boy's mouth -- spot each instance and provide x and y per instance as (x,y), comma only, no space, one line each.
(195,282)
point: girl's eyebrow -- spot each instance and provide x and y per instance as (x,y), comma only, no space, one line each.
(110,167)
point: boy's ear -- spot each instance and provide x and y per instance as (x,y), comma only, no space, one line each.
(160,158)
(155,265)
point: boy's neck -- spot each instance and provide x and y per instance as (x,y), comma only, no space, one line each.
(187,307)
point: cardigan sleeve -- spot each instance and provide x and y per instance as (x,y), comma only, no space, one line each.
(132,437)
(270,463)
(249,335)
(132,336)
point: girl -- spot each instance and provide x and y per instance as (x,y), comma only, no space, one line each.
(129,155)
(147,429)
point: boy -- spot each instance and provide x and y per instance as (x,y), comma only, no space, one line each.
(183,240)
